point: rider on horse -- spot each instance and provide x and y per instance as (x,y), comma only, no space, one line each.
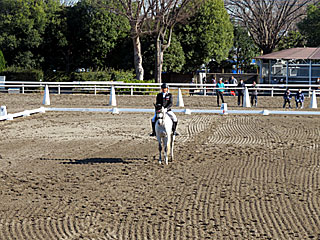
(165,99)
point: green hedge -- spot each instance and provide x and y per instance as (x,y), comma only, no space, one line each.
(142,91)
(57,76)
(18,74)
(107,75)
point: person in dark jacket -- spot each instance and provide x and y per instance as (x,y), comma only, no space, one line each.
(240,91)
(254,95)
(299,99)
(287,97)
(165,99)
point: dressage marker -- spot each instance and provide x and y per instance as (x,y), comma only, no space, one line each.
(46,96)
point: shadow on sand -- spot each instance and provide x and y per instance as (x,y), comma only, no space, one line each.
(95,160)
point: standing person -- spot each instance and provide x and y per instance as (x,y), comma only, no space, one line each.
(226,83)
(299,99)
(318,83)
(191,91)
(165,99)
(233,80)
(240,91)
(220,91)
(287,98)
(214,82)
(254,94)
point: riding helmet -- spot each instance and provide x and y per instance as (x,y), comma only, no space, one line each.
(164,85)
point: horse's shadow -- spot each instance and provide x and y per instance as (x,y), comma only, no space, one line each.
(95,161)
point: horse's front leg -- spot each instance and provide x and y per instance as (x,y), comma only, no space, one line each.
(172,145)
(166,148)
(160,149)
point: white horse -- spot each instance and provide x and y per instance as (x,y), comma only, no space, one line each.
(164,133)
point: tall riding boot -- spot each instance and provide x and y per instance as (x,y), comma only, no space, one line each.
(174,128)
(153,129)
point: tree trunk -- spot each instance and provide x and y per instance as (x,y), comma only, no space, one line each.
(159,61)
(160,50)
(138,58)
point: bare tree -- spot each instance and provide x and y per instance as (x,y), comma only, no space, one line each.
(154,17)
(165,15)
(137,12)
(267,20)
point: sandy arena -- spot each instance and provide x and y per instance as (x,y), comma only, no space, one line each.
(82,175)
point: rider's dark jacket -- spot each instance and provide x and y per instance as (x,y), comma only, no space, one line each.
(166,101)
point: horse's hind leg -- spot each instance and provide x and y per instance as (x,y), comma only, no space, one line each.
(166,154)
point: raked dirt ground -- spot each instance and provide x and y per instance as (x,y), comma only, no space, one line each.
(82,175)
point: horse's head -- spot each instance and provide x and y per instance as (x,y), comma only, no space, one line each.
(161,113)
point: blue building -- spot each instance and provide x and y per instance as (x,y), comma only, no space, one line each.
(295,65)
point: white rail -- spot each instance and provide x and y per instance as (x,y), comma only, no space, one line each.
(25,113)
(186,111)
(144,110)
(138,88)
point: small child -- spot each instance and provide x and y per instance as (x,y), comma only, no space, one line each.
(299,99)
(287,98)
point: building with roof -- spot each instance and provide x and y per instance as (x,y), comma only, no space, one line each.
(294,65)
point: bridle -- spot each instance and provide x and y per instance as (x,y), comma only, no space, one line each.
(160,116)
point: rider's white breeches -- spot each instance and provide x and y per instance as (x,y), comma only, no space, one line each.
(171,115)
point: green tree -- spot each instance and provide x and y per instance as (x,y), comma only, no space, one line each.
(55,47)
(209,35)
(22,24)
(292,40)
(310,26)
(244,49)
(94,32)
(2,61)
(174,58)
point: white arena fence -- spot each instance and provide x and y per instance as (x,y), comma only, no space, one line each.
(265,112)
(144,88)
